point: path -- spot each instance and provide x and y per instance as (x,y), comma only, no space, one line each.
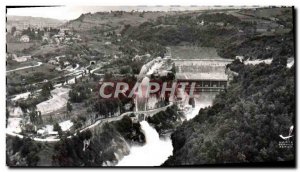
(25,67)
(98,122)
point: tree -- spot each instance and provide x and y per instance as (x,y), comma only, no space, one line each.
(13,30)
(61,63)
(56,127)
(46,88)
(33,117)
(51,119)
(40,119)
(173,70)
(85,135)
(192,102)
(69,106)
(125,70)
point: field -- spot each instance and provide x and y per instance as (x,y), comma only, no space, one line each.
(18,46)
(192,52)
(48,48)
(110,21)
(14,65)
(36,74)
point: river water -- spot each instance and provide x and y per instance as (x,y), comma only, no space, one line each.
(153,153)
(156,150)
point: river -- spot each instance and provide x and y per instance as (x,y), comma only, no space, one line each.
(157,150)
(153,153)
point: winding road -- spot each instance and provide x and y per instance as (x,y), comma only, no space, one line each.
(25,67)
(98,122)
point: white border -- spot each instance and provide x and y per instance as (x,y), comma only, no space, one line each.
(115,3)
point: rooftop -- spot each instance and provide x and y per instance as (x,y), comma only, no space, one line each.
(202,76)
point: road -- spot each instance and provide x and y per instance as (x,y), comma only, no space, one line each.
(75,71)
(98,122)
(25,67)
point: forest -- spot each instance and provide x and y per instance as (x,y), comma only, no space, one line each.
(106,144)
(244,122)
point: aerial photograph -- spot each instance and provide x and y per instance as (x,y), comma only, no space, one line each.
(150,86)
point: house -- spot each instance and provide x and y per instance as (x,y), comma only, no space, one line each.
(58,69)
(17,33)
(220,24)
(24,38)
(66,63)
(53,62)
(240,58)
(63,32)
(57,40)
(274,19)
(53,133)
(41,132)
(200,23)
(162,73)
(261,30)
(22,58)
(127,106)
(107,43)
(45,39)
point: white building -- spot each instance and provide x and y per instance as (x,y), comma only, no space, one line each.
(53,62)
(107,43)
(21,58)
(17,33)
(66,63)
(24,38)
(45,38)
(240,58)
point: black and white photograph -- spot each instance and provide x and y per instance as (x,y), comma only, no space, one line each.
(150,86)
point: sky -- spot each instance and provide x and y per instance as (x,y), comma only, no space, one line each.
(73,12)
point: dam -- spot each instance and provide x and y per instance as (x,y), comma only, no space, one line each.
(208,74)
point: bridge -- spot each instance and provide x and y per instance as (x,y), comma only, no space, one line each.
(142,115)
(209,75)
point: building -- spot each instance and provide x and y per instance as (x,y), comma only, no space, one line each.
(220,24)
(240,58)
(201,23)
(66,63)
(53,62)
(17,33)
(204,82)
(261,30)
(45,38)
(208,75)
(107,43)
(21,58)
(24,38)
